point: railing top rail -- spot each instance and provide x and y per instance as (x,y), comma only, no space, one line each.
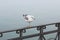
(28,27)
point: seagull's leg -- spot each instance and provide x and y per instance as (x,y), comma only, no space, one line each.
(29,24)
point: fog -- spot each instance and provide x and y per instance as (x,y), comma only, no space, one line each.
(11,11)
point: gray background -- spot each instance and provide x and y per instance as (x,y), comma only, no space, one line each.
(11,11)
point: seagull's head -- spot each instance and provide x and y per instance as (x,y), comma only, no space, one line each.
(25,14)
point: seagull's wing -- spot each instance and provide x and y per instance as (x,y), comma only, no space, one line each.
(33,17)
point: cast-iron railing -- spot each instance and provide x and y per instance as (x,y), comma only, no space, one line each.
(40,34)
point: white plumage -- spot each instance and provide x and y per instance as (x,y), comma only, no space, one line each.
(28,18)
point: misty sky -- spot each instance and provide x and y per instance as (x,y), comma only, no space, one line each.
(18,7)
(11,11)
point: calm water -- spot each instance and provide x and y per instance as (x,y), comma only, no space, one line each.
(29,31)
(11,11)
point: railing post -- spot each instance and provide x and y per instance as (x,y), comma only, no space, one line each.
(59,33)
(58,25)
(41,36)
(20,32)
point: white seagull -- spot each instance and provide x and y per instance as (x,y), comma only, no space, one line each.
(28,18)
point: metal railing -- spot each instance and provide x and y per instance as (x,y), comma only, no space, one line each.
(40,34)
